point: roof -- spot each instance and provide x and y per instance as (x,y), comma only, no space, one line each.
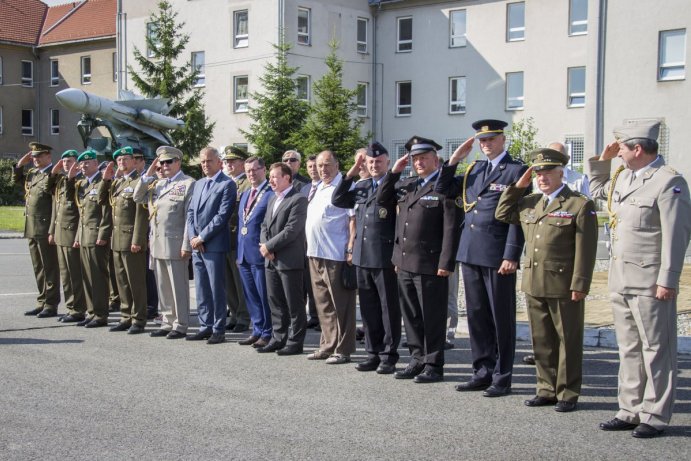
(21,20)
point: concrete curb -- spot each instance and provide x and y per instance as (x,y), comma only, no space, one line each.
(11,235)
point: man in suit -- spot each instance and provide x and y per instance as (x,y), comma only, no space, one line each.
(253,205)
(129,241)
(212,204)
(560,226)
(168,200)
(489,251)
(38,184)
(95,228)
(308,191)
(292,159)
(283,248)
(238,317)
(650,222)
(372,251)
(423,254)
(62,234)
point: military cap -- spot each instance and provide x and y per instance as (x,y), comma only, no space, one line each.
(87,155)
(168,153)
(637,130)
(547,159)
(488,128)
(234,153)
(419,145)
(70,153)
(127,150)
(37,148)
(137,152)
(376,149)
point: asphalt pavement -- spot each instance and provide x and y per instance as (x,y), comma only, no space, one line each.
(78,394)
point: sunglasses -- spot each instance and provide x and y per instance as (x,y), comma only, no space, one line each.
(293,159)
(166,162)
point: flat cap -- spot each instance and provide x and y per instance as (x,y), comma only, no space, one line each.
(547,159)
(488,128)
(37,148)
(419,145)
(376,149)
(168,153)
(234,153)
(70,153)
(637,130)
(87,155)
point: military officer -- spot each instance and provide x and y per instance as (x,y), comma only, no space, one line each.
(168,200)
(38,185)
(94,232)
(63,233)
(238,317)
(129,241)
(650,221)
(424,249)
(371,252)
(560,226)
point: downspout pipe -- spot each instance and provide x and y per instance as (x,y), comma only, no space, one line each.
(600,91)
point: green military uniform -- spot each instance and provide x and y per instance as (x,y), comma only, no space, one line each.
(38,185)
(561,243)
(63,228)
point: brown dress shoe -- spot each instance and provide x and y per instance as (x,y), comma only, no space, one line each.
(249,341)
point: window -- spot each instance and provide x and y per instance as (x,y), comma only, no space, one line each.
(362,24)
(397,151)
(405,35)
(575,147)
(198,66)
(54,73)
(515,22)
(304,26)
(241,35)
(241,93)
(514,91)
(457,29)
(27,122)
(457,95)
(576,87)
(115,67)
(86,70)
(54,121)
(152,39)
(672,55)
(27,73)
(404,105)
(578,17)
(362,88)
(302,87)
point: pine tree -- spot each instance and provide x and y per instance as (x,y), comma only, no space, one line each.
(522,139)
(161,77)
(277,113)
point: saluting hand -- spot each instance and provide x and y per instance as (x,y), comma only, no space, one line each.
(152,168)
(610,151)
(462,151)
(355,169)
(109,172)
(57,168)
(74,169)
(24,160)
(400,164)
(525,180)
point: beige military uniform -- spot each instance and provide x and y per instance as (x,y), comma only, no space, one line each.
(235,298)
(651,223)
(561,243)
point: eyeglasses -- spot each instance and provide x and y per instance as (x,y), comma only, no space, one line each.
(166,162)
(291,160)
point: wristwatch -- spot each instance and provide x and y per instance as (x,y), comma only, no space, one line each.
(349,251)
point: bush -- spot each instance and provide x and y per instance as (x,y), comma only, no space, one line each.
(10,193)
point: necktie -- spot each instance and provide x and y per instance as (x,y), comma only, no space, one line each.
(488,170)
(253,193)
(545,203)
(205,190)
(374,187)
(313,191)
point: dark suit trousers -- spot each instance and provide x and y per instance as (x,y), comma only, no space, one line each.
(95,276)
(209,278)
(71,277)
(253,278)
(491,306)
(381,313)
(44,258)
(288,315)
(423,300)
(235,298)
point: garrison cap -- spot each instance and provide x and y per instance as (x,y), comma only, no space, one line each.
(87,155)
(547,159)
(376,149)
(419,145)
(488,128)
(127,150)
(234,153)
(168,153)
(637,130)
(37,148)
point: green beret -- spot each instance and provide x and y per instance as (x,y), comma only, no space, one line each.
(70,153)
(87,155)
(127,150)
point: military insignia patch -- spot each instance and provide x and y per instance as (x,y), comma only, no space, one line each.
(383,213)
(498,187)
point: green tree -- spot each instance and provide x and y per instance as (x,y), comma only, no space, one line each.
(331,123)
(161,77)
(522,139)
(277,114)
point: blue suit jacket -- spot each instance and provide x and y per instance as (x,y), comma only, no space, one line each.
(248,245)
(208,217)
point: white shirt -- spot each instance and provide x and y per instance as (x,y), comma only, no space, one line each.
(327,225)
(279,198)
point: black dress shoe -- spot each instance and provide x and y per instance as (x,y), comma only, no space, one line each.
(539,401)
(311,323)
(496,391)
(359,334)
(449,345)
(386,368)
(529,360)
(230,327)
(85,322)
(240,327)
(34,311)
(563,406)
(617,424)
(159,333)
(151,313)
(45,313)
(429,375)
(96,324)
(293,349)
(71,318)
(249,341)
(645,431)
(472,385)
(135,329)
(122,326)
(410,372)
(216,338)
(370,364)
(114,307)
(199,336)
(271,347)
(176,335)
